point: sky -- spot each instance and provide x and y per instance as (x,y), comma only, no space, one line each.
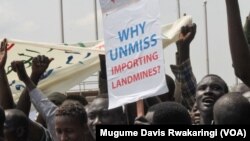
(39,21)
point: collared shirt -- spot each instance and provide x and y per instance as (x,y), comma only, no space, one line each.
(46,108)
(184,75)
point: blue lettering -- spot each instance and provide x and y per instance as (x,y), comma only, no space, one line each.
(113,57)
(123,35)
(153,40)
(133,31)
(142,26)
(146,43)
(141,45)
(133,48)
(123,51)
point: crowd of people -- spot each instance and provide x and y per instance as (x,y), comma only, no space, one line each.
(188,102)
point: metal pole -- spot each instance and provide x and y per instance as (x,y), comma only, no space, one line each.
(62,24)
(206,35)
(96,21)
(236,80)
(179,9)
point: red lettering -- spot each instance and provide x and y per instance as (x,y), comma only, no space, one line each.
(136,77)
(113,85)
(124,65)
(116,69)
(131,64)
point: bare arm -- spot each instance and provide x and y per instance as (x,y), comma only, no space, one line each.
(18,66)
(6,99)
(247,29)
(38,68)
(41,103)
(36,132)
(238,43)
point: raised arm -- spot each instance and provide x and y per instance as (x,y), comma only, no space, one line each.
(41,102)
(183,44)
(37,70)
(183,70)
(6,99)
(238,43)
(247,29)
(36,131)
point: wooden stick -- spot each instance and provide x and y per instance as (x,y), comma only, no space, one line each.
(140,108)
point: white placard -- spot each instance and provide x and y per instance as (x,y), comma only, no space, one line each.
(133,48)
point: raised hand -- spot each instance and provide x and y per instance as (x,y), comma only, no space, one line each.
(3,53)
(40,64)
(18,67)
(187,34)
(6,98)
(186,37)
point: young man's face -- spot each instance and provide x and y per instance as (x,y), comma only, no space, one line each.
(195,114)
(208,91)
(98,113)
(69,129)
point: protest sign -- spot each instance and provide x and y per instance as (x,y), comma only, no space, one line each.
(133,48)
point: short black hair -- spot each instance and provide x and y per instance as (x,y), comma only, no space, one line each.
(74,110)
(169,96)
(232,108)
(241,88)
(78,98)
(226,90)
(170,113)
(57,98)
(16,118)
